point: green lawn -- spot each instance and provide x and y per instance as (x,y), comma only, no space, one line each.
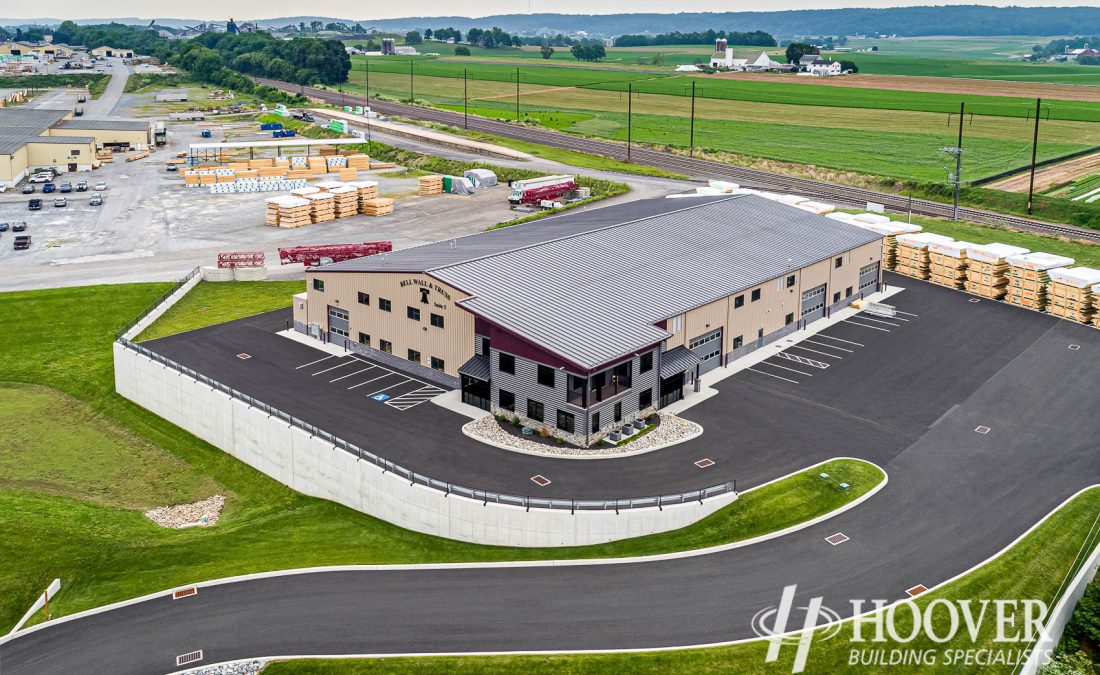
(1034,568)
(210,303)
(75,512)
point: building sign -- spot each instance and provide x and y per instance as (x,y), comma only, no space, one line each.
(427,286)
(338,125)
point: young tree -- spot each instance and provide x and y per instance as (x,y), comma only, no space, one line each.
(462,50)
(547,51)
(413,38)
(517,41)
(796,50)
(428,34)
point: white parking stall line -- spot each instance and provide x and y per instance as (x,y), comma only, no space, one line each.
(856,323)
(369,381)
(824,344)
(858,344)
(344,377)
(906,313)
(770,375)
(867,318)
(407,380)
(816,351)
(410,377)
(776,365)
(330,356)
(345,363)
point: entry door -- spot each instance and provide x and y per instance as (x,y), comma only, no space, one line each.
(708,347)
(72,167)
(813,304)
(337,325)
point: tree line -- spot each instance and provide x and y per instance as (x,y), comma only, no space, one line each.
(756,38)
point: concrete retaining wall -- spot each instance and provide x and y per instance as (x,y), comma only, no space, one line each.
(318,468)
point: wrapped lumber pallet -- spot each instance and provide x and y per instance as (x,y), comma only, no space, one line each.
(1071,293)
(358,162)
(347,174)
(322,207)
(889,231)
(987,269)
(379,206)
(294,212)
(381,165)
(430,185)
(366,189)
(326,185)
(1096,304)
(820,208)
(346,201)
(327,150)
(1028,279)
(305,191)
(259,163)
(948,263)
(912,253)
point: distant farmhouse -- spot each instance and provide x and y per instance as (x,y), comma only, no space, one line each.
(723,57)
(1074,54)
(817,66)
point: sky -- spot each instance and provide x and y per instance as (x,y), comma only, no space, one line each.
(219,10)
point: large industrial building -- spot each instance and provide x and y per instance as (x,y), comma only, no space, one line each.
(587,320)
(33,138)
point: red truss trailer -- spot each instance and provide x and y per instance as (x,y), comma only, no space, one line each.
(326,253)
(234,259)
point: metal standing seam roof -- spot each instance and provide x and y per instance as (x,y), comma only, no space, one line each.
(597,294)
(105,125)
(677,360)
(477,367)
(19,126)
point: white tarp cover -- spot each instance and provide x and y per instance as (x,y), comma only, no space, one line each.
(1078,277)
(992,253)
(481,177)
(362,184)
(342,190)
(302,192)
(889,227)
(287,201)
(320,196)
(955,249)
(921,239)
(328,184)
(461,186)
(872,218)
(820,208)
(1039,261)
(843,217)
(724,186)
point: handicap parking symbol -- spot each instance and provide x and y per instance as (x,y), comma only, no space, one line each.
(380,397)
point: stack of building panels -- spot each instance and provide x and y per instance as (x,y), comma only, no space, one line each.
(1028,279)
(336,162)
(889,230)
(987,269)
(948,263)
(379,206)
(273,172)
(430,185)
(366,189)
(346,200)
(381,165)
(322,207)
(264,163)
(359,162)
(912,257)
(347,174)
(1072,293)
(326,185)
(317,165)
(294,212)
(305,191)
(820,208)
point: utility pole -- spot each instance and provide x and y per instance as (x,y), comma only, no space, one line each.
(412,97)
(465,102)
(629,115)
(366,65)
(691,140)
(956,151)
(1034,154)
(517,93)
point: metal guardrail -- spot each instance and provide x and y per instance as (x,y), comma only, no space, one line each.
(485,496)
(156,303)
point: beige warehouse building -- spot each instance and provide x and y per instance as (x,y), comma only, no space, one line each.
(585,321)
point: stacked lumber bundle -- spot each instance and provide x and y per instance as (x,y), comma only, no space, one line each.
(327,185)
(346,201)
(327,151)
(223,178)
(191,179)
(948,263)
(305,191)
(1072,294)
(317,165)
(322,207)
(987,269)
(430,185)
(1028,279)
(359,162)
(382,165)
(238,166)
(820,208)
(272,172)
(347,174)
(366,190)
(261,163)
(379,206)
(913,258)
(889,230)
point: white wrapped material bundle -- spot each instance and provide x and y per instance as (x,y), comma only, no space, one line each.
(481,178)
(845,218)
(921,240)
(305,191)
(1072,293)
(328,184)
(1028,278)
(362,184)
(1077,277)
(947,263)
(873,218)
(912,254)
(993,253)
(1038,261)
(722,185)
(706,191)
(791,200)
(820,208)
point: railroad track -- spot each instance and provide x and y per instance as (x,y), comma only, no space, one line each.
(701,169)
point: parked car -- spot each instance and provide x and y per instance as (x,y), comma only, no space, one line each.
(81,186)
(3,227)
(96,200)
(28,189)
(19,227)
(22,242)
(66,187)
(101,186)
(34,204)
(172,167)
(60,201)
(48,187)
(41,178)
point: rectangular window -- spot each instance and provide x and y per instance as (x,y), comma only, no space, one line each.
(506,364)
(437,320)
(789,320)
(677,324)
(364,339)
(437,364)
(738,341)
(386,346)
(595,422)
(534,410)
(619,412)
(484,346)
(565,421)
(75,152)
(645,363)
(507,399)
(848,292)
(739,301)
(319,285)
(364,298)
(414,355)
(577,388)
(384,304)
(546,376)
(838,263)
(790,281)
(413,313)
(645,399)
(755,294)
(836,297)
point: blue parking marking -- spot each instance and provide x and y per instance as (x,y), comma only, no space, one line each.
(380,397)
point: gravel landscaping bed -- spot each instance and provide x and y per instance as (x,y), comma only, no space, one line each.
(671,430)
(202,513)
(244,668)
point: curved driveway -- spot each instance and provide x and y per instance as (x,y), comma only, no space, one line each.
(955,497)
